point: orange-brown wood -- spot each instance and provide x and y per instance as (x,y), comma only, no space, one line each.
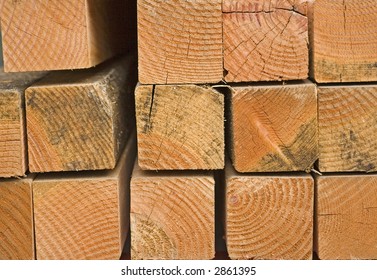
(16,219)
(172,215)
(80,120)
(347,117)
(84,215)
(273,127)
(347,217)
(180,127)
(13,152)
(70,34)
(343,40)
(265,40)
(180,41)
(269,216)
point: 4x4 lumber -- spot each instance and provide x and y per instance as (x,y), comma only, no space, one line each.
(80,120)
(343,40)
(273,127)
(13,152)
(265,40)
(69,34)
(346,217)
(84,215)
(180,41)
(180,127)
(172,215)
(347,117)
(16,222)
(269,216)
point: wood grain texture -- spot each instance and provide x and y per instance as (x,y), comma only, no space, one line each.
(343,40)
(273,127)
(84,215)
(347,128)
(269,217)
(265,40)
(180,127)
(80,120)
(347,217)
(54,34)
(13,152)
(16,222)
(172,216)
(179,41)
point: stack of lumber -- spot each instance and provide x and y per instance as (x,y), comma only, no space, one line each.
(281,67)
(67,141)
(254,123)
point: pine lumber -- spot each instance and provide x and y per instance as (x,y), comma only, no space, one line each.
(172,215)
(16,222)
(13,152)
(80,120)
(346,217)
(273,127)
(70,34)
(265,40)
(347,117)
(269,216)
(180,41)
(179,127)
(84,215)
(343,40)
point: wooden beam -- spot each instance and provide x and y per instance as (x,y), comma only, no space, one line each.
(343,40)
(269,216)
(347,128)
(347,217)
(172,216)
(180,127)
(13,152)
(179,41)
(265,40)
(80,120)
(16,223)
(84,215)
(273,127)
(54,34)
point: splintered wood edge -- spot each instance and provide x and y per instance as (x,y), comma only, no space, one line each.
(85,76)
(140,173)
(276,84)
(231,173)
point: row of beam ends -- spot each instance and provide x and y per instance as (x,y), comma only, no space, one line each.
(184,215)
(80,120)
(268,127)
(205,41)
(256,40)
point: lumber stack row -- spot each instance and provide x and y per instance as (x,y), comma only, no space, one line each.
(67,142)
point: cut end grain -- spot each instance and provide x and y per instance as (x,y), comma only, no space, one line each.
(347,217)
(180,127)
(172,217)
(343,40)
(269,217)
